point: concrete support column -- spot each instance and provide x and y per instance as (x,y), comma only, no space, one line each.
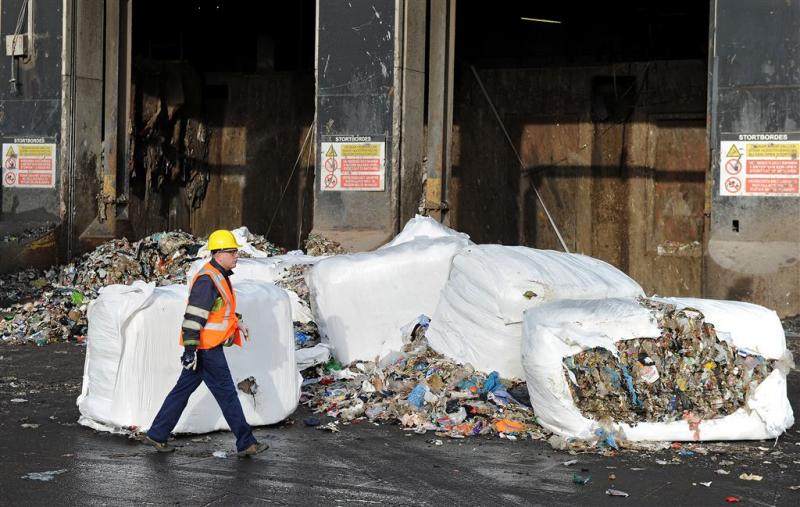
(440,105)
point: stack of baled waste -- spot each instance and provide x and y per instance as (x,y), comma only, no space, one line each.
(362,301)
(132,359)
(479,317)
(672,369)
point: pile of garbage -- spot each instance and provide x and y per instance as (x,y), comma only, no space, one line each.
(686,373)
(318,245)
(422,391)
(27,234)
(50,305)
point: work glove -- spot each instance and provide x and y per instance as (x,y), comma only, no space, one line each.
(189,358)
(245,332)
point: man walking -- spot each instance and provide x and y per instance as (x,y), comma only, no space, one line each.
(210,323)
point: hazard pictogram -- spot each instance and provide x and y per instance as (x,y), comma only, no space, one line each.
(330,165)
(733,185)
(10,179)
(733,152)
(733,166)
(331,152)
(330,181)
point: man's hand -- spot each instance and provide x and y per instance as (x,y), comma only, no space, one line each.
(189,358)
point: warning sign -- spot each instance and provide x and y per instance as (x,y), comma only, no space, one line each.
(29,162)
(353,163)
(760,165)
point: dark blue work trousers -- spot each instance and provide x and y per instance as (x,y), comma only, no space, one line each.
(212,368)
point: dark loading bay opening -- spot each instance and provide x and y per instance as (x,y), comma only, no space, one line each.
(222,99)
(606,104)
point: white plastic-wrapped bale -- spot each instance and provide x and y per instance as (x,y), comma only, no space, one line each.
(649,371)
(478,319)
(362,301)
(133,350)
(421,227)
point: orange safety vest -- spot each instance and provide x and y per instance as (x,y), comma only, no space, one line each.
(222,323)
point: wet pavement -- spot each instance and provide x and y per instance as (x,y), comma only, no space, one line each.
(362,464)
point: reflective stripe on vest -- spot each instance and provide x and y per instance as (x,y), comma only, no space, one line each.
(221,325)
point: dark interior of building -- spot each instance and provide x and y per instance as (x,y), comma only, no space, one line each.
(523,34)
(605,103)
(223,96)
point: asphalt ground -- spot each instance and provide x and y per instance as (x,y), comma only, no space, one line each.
(362,464)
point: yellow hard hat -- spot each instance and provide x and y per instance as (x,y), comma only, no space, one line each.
(222,239)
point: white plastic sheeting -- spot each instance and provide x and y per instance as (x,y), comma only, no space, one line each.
(421,227)
(361,301)
(478,319)
(269,270)
(559,329)
(132,358)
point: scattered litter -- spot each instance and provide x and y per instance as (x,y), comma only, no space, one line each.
(581,479)
(720,471)
(612,477)
(733,499)
(331,426)
(706,484)
(220,454)
(44,476)
(794,488)
(615,492)
(750,477)
(29,425)
(312,421)
(422,391)
(570,462)
(19,400)
(434,441)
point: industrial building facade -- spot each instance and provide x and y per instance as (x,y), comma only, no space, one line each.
(663,138)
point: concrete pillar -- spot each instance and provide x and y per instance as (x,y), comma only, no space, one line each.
(440,105)
(754,240)
(356,194)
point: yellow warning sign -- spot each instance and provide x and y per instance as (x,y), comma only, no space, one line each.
(11,152)
(331,152)
(36,150)
(774,150)
(733,152)
(361,150)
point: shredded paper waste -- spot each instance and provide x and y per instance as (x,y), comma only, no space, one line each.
(42,306)
(687,373)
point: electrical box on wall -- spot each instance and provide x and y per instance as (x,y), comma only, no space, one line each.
(18,48)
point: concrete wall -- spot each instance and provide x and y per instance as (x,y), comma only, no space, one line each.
(355,96)
(755,88)
(32,109)
(618,153)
